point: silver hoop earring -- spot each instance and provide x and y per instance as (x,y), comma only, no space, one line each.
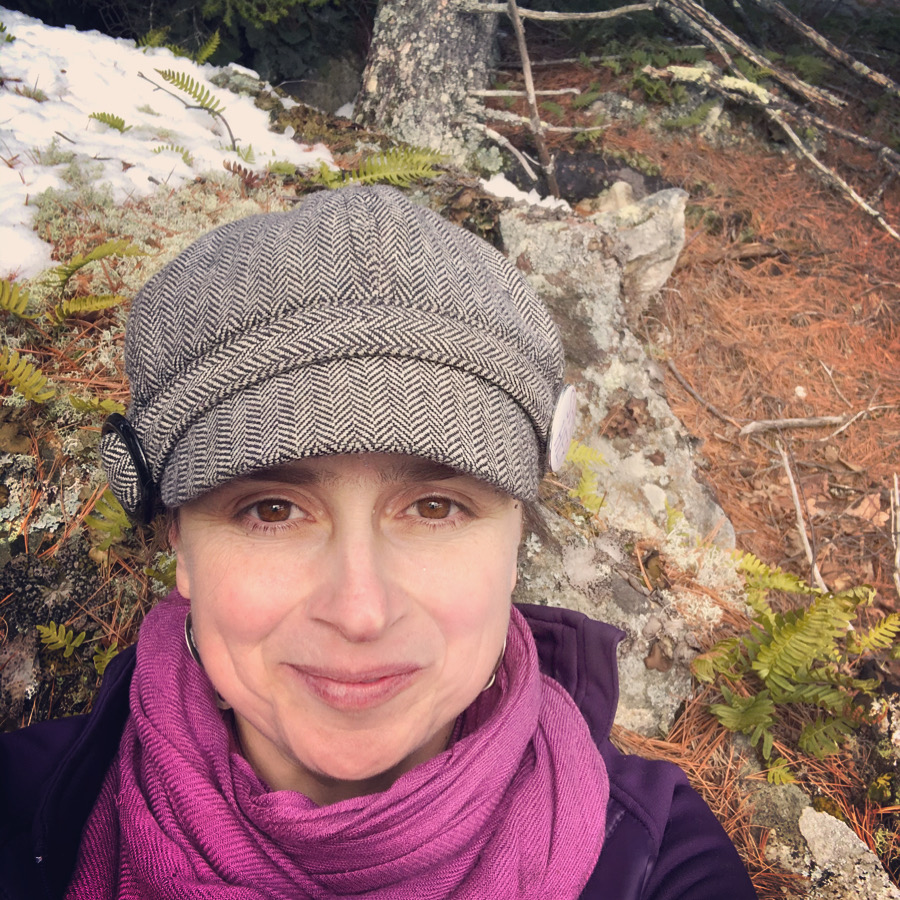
(493,677)
(189,640)
(195,655)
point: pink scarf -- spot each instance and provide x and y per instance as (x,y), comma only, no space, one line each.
(515,808)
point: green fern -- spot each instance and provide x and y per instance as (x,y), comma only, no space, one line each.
(109,520)
(399,166)
(24,377)
(207,50)
(111,120)
(202,96)
(60,638)
(155,37)
(779,772)
(79,305)
(5,36)
(108,248)
(797,658)
(94,405)
(103,656)
(246,154)
(176,148)
(881,636)
(13,299)
(164,571)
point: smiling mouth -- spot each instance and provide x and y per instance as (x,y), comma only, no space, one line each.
(356,691)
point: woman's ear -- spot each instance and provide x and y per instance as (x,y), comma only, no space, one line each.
(182,570)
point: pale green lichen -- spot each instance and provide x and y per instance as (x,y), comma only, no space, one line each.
(743,86)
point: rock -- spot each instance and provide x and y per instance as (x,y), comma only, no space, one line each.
(842,865)
(583,270)
(335,84)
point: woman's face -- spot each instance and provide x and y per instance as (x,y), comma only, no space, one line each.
(348,608)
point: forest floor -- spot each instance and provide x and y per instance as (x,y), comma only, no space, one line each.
(785,304)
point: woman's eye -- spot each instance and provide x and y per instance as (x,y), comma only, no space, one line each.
(272,510)
(434,507)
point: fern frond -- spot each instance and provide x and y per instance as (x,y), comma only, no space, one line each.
(202,96)
(60,638)
(759,575)
(824,736)
(881,636)
(724,658)
(207,50)
(779,772)
(107,248)
(13,299)
(176,148)
(753,716)
(164,571)
(799,638)
(583,455)
(103,656)
(79,305)
(93,405)
(155,37)
(399,166)
(111,120)
(109,519)
(24,377)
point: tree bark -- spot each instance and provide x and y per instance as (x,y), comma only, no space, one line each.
(424,59)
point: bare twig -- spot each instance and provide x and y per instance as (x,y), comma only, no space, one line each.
(543,152)
(834,384)
(895,530)
(832,176)
(475,6)
(504,115)
(716,412)
(801,525)
(523,94)
(496,136)
(778,424)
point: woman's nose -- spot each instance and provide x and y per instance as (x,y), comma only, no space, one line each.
(358,598)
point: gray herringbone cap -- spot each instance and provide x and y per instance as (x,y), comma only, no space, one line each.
(357,322)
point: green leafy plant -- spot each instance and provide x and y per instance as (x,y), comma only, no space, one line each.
(108,248)
(5,36)
(24,377)
(208,49)
(750,70)
(111,121)
(398,166)
(79,305)
(202,97)
(586,491)
(692,119)
(586,98)
(13,299)
(801,659)
(103,656)
(163,570)
(109,520)
(94,405)
(554,108)
(33,93)
(60,638)
(176,148)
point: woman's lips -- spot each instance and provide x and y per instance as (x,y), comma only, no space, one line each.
(353,691)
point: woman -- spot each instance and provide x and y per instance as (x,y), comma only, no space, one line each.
(343,411)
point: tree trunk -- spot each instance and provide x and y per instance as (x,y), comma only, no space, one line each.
(424,59)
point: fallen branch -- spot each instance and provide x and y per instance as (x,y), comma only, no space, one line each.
(475,6)
(780,424)
(716,412)
(536,125)
(782,12)
(505,143)
(831,175)
(504,115)
(801,525)
(714,27)
(523,94)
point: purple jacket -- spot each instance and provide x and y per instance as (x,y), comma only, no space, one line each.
(662,841)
